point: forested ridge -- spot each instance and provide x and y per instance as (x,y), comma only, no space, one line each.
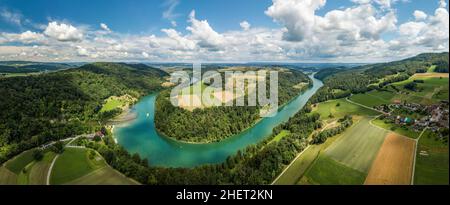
(52,106)
(217,123)
(376,76)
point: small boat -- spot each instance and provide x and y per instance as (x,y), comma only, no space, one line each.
(148,115)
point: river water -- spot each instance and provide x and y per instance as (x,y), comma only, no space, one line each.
(140,135)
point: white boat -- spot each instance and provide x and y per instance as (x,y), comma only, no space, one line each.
(148,114)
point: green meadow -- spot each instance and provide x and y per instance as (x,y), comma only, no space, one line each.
(432,163)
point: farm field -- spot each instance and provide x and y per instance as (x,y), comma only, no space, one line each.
(39,170)
(18,163)
(298,167)
(7,177)
(432,162)
(340,108)
(103,176)
(358,146)
(396,128)
(394,163)
(434,89)
(30,171)
(326,171)
(74,163)
(374,98)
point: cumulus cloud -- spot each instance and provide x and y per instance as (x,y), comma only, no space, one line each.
(26,37)
(420,15)
(63,32)
(245,25)
(105,27)
(202,31)
(345,34)
(428,34)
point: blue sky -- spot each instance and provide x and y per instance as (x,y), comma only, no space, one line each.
(143,18)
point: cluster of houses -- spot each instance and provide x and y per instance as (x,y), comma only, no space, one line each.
(434,116)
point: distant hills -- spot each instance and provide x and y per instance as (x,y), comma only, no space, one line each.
(31,67)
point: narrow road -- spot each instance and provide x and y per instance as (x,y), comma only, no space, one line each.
(415,155)
(72,139)
(348,100)
(295,159)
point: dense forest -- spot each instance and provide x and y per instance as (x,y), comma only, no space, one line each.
(57,105)
(216,123)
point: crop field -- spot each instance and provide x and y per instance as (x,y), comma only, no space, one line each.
(434,89)
(394,163)
(432,163)
(340,108)
(405,131)
(103,176)
(74,163)
(18,163)
(298,167)
(326,171)
(7,177)
(38,172)
(358,146)
(374,98)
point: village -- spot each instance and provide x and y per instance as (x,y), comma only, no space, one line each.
(417,116)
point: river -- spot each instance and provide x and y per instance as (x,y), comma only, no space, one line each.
(140,136)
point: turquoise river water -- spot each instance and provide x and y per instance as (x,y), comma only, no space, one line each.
(140,135)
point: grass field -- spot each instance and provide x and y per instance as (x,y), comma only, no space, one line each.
(38,172)
(111,105)
(358,146)
(432,163)
(374,98)
(280,136)
(298,167)
(18,163)
(434,89)
(104,176)
(72,164)
(405,131)
(394,163)
(326,171)
(340,108)
(7,177)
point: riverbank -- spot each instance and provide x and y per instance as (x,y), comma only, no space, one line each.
(126,116)
(142,137)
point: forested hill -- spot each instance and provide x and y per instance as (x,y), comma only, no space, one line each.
(31,67)
(41,108)
(342,82)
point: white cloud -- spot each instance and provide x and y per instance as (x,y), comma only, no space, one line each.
(169,13)
(245,25)
(202,31)
(420,15)
(345,34)
(355,23)
(442,3)
(63,32)
(105,27)
(11,17)
(26,37)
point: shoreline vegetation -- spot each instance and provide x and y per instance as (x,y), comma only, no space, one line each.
(214,124)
